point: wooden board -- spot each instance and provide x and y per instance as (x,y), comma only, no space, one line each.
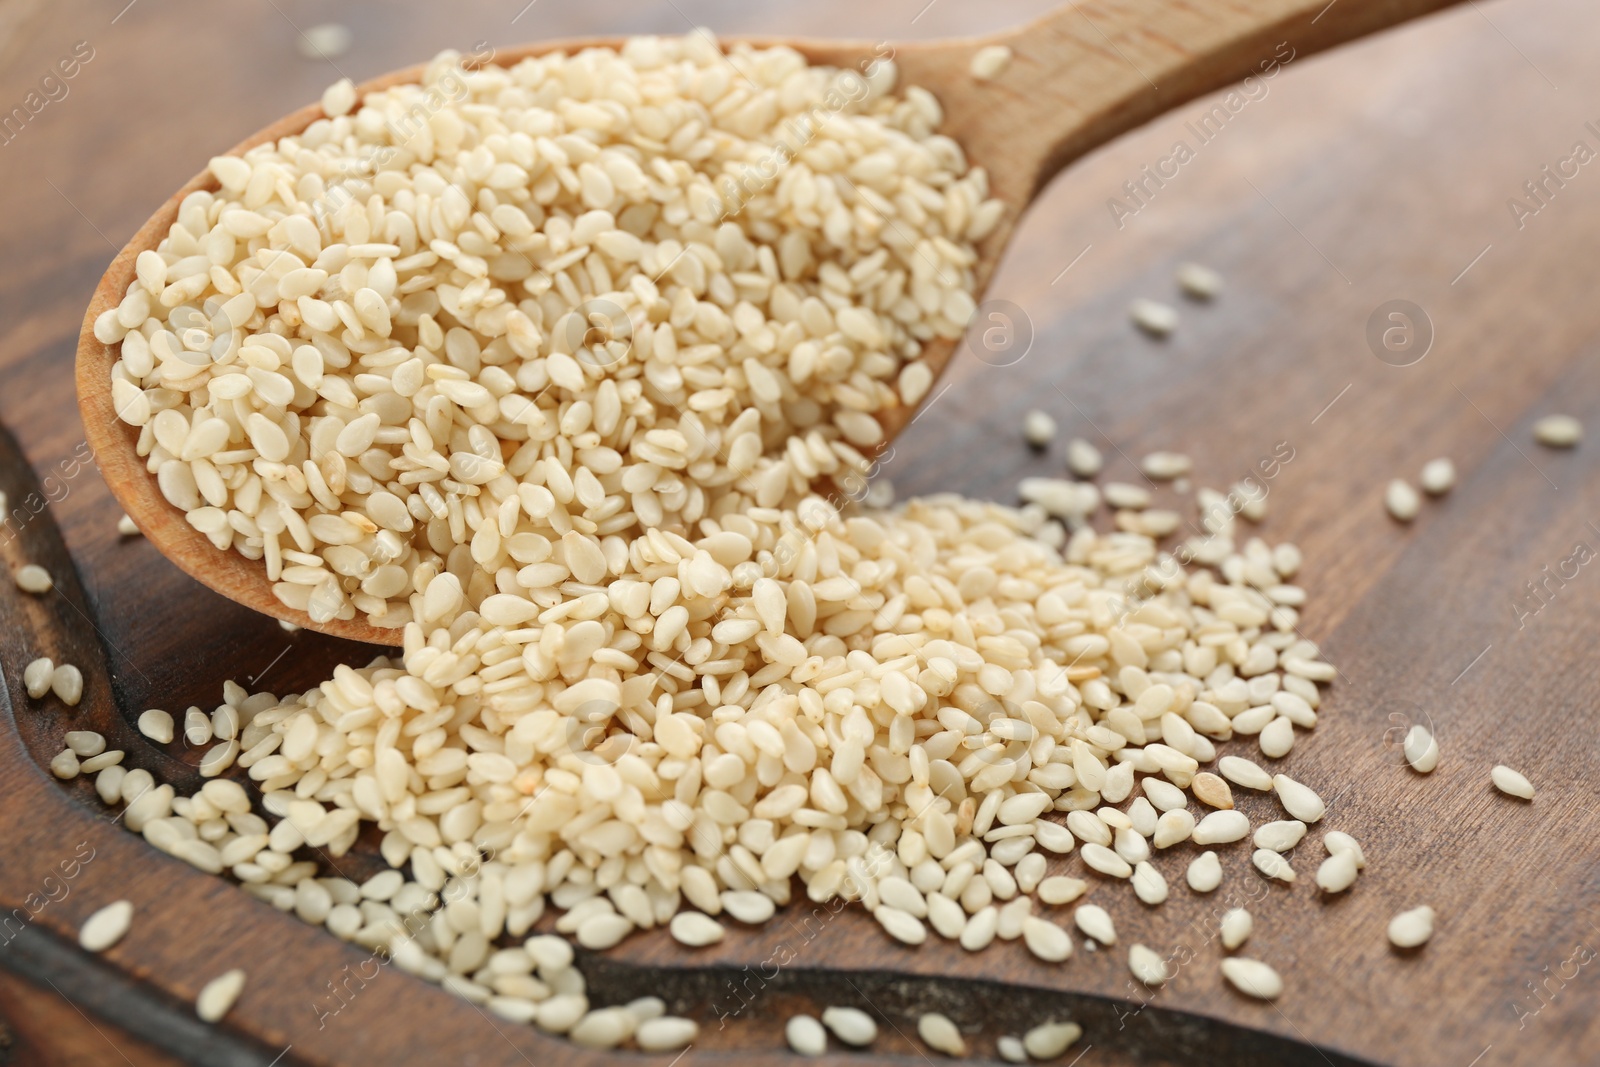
(1381,172)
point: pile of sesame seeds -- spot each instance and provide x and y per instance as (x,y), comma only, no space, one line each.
(566,429)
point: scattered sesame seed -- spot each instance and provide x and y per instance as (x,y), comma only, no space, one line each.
(1252,977)
(218,995)
(990,62)
(1038,428)
(1401,500)
(1411,928)
(1199,282)
(106,927)
(32,578)
(1237,925)
(1511,783)
(1558,431)
(1438,476)
(941,1034)
(1153,317)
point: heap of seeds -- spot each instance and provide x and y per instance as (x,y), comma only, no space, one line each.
(555,388)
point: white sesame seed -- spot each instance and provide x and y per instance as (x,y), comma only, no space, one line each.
(1298,800)
(1049,1040)
(1153,317)
(127,527)
(1252,977)
(1199,282)
(1011,1048)
(64,764)
(1173,827)
(1095,922)
(666,1033)
(1165,466)
(157,725)
(902,926)
(1083,458)
(696,929)
(339,98)
(748,906)
(326,40)
(990,62)
(1438,476)
(1272,865)
(1038,428)
(1558,431)
(66,682)
(85,743)
(32,578)
(1511,782)
(1421,750)
(1105,861)
(218,995)
(1148,884)
(1410,929)
(1338,872)
(850,1025)
(941,1034)
(36,677)
(1401,500)
(1279,836)
(1147,966)
(1204,873)
(1045,939)
(1060,889)
(1220,828)
(1277,738)
(106,927)
(1237,925)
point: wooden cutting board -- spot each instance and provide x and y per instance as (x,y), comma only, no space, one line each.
(1379,173)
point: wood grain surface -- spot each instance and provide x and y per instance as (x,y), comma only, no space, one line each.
(1381,172)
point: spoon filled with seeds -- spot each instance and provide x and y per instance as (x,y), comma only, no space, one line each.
(507,329)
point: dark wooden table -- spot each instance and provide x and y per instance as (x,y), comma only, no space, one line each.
(1387,171)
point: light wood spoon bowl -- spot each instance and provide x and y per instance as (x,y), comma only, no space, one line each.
(1078,77)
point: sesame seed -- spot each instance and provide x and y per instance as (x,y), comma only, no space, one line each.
(106,926)
(1153,317)
(1049,1040)
(1421,750)
(1147,966)
(1199,282)
(1401,500)
(1558,431)
(1252,977)
(989,62)
(1095,922)
(1204,873)
(1438,476)
(1338,872)
(1511,782)
(1237,925)
(850,1025)
(941,1034)
(1083,458)
(1038,428)
(32,578)
(218,995)
(1412,928)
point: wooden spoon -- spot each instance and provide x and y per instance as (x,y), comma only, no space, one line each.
(1077,78)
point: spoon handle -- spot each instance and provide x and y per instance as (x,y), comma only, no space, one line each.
(1088,71)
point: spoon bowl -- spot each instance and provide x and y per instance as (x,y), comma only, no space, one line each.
(1077,78)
